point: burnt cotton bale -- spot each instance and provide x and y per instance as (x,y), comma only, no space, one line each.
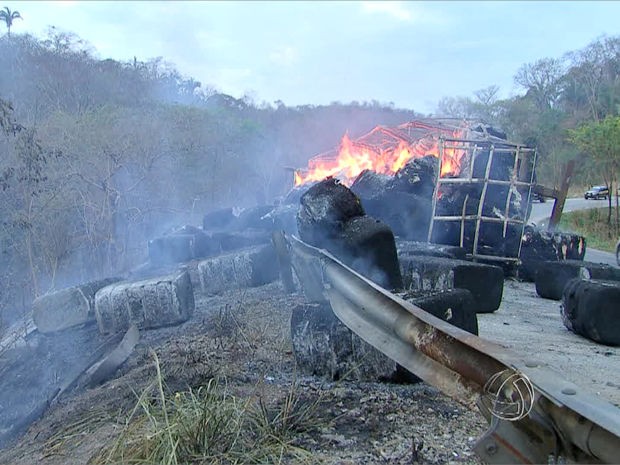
(456,306)
(174,248)
(538,246)
(152,303)
(324,346)
(402,201)
(331,217)
(590,308)
(369,248)
(485,282)
(369,183)
(248,267)
(405,248)
(408,215)
(218,219)
(552,276)
(323,210)
(418,177)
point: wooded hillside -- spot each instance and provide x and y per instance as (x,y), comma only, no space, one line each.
(98,156)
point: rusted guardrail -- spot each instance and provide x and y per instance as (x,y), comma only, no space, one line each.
(533,413)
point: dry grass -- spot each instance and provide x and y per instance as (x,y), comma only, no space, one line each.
(76,433)
(592,224)
(210,425)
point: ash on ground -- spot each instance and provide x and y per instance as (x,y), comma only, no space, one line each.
(243,337)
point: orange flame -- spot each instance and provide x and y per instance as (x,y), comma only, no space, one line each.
(355,156)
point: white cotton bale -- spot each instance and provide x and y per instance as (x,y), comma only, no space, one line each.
(151,303)
(67,307)
(242,269)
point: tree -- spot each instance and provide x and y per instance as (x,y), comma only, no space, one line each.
(8,16)
(542,81)
(483,107)
(592,83)
(601,140)
(25,194)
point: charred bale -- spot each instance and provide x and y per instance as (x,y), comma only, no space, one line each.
(494,201)
(253,218)
(248,267)
(552,276)
(367,245)
(405,248)
(590,308)
(488,130)
(539,246)
(324,346)
(464,199)
(456,200)
(502,164)
(171,249)
(324,209)
(67,307)
(369,183)
(218,219)
(182,245)
(417,177)
(229,241)
(402,201)
(332,217)
(485,282)
(152,303)
(408,215)
(202,244)
(455,306)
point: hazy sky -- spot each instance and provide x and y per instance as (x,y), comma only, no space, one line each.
(408,53)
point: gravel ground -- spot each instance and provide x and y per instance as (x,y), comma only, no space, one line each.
(243,336)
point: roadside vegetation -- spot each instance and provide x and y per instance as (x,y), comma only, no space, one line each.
(210,425)
(592,224)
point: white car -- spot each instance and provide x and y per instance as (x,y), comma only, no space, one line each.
(597,192)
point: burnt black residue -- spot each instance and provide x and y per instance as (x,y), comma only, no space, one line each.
(33,374)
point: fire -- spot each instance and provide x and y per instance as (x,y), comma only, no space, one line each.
(386,155)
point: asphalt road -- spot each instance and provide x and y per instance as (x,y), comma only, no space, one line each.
(541,212)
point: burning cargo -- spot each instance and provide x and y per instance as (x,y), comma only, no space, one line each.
(442,181)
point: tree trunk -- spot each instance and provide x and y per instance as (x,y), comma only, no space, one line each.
(611,193)
(617,228)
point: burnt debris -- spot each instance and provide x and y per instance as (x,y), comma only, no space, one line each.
(402,201)
(331,217)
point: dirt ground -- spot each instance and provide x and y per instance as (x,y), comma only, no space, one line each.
(243,336)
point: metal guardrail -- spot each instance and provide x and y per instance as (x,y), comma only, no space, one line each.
(534,414)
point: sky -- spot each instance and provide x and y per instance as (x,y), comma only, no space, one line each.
(409,53)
